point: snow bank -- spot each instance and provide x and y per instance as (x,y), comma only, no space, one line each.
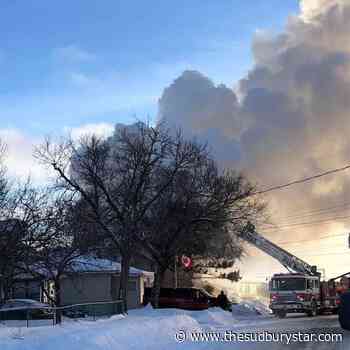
(145,328)
(250,309)
(142,329)
(261,307)
(212,318)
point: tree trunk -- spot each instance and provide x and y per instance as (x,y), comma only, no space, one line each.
(57,284)
(7,285)
(124,279)
(6,289)
(158,280)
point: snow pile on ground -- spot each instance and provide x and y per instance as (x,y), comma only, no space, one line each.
(249,309)
(145,328)
(261,307)
(155,330)
(142,329)
(212,318)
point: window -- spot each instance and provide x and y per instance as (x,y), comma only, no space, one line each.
(288,284)
(309,284)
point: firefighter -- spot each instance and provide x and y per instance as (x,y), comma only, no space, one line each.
(223,301)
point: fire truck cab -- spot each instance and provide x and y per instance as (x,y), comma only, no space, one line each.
(295,293)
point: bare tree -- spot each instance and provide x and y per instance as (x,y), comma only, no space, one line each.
(12,249)
(3,178)
(118,179)
(53,240)
(12,227)
(16,222)
(199,215)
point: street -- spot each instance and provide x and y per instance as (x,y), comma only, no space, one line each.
(327,324)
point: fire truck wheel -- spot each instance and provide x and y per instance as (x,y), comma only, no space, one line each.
(281,314)
(344,311)
(313,311)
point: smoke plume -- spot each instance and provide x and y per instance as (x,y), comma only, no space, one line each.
(287,119)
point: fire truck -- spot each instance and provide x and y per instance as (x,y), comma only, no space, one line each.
(301,289)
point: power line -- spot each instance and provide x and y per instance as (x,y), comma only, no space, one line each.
(316,212)
(314,221)
(306,179)
(308,211)
(313,218)
(289,229)
(327,254)
(307,223)
(312,240)
(339,249)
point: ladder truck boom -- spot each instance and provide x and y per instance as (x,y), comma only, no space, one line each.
(300,290)
(288,260)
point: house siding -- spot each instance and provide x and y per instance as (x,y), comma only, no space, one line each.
(99,287)
(27,289)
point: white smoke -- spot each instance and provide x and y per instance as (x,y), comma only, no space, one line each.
(292,119)
(311,9)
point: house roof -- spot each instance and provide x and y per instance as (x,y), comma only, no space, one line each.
(86,264)
(92,264)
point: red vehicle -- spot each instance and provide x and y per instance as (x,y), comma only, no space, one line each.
(184,298)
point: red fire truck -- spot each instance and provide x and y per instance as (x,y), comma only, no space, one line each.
(299,291)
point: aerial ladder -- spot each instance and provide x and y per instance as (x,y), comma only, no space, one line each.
(299,290)
(288,260)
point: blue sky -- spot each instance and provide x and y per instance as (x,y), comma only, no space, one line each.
(70,63)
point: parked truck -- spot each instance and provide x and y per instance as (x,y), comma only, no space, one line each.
(301,289)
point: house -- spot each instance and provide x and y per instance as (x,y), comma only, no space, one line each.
(97,280)
(89,280)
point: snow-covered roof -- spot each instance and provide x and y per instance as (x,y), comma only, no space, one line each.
(84,264)
(92,264)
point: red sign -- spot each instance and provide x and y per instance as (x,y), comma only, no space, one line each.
(186,261)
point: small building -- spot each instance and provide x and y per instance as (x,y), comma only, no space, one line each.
(90,280)
(97,280)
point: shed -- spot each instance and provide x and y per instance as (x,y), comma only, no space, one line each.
(97,280)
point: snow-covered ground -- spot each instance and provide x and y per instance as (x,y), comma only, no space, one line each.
(155,330)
